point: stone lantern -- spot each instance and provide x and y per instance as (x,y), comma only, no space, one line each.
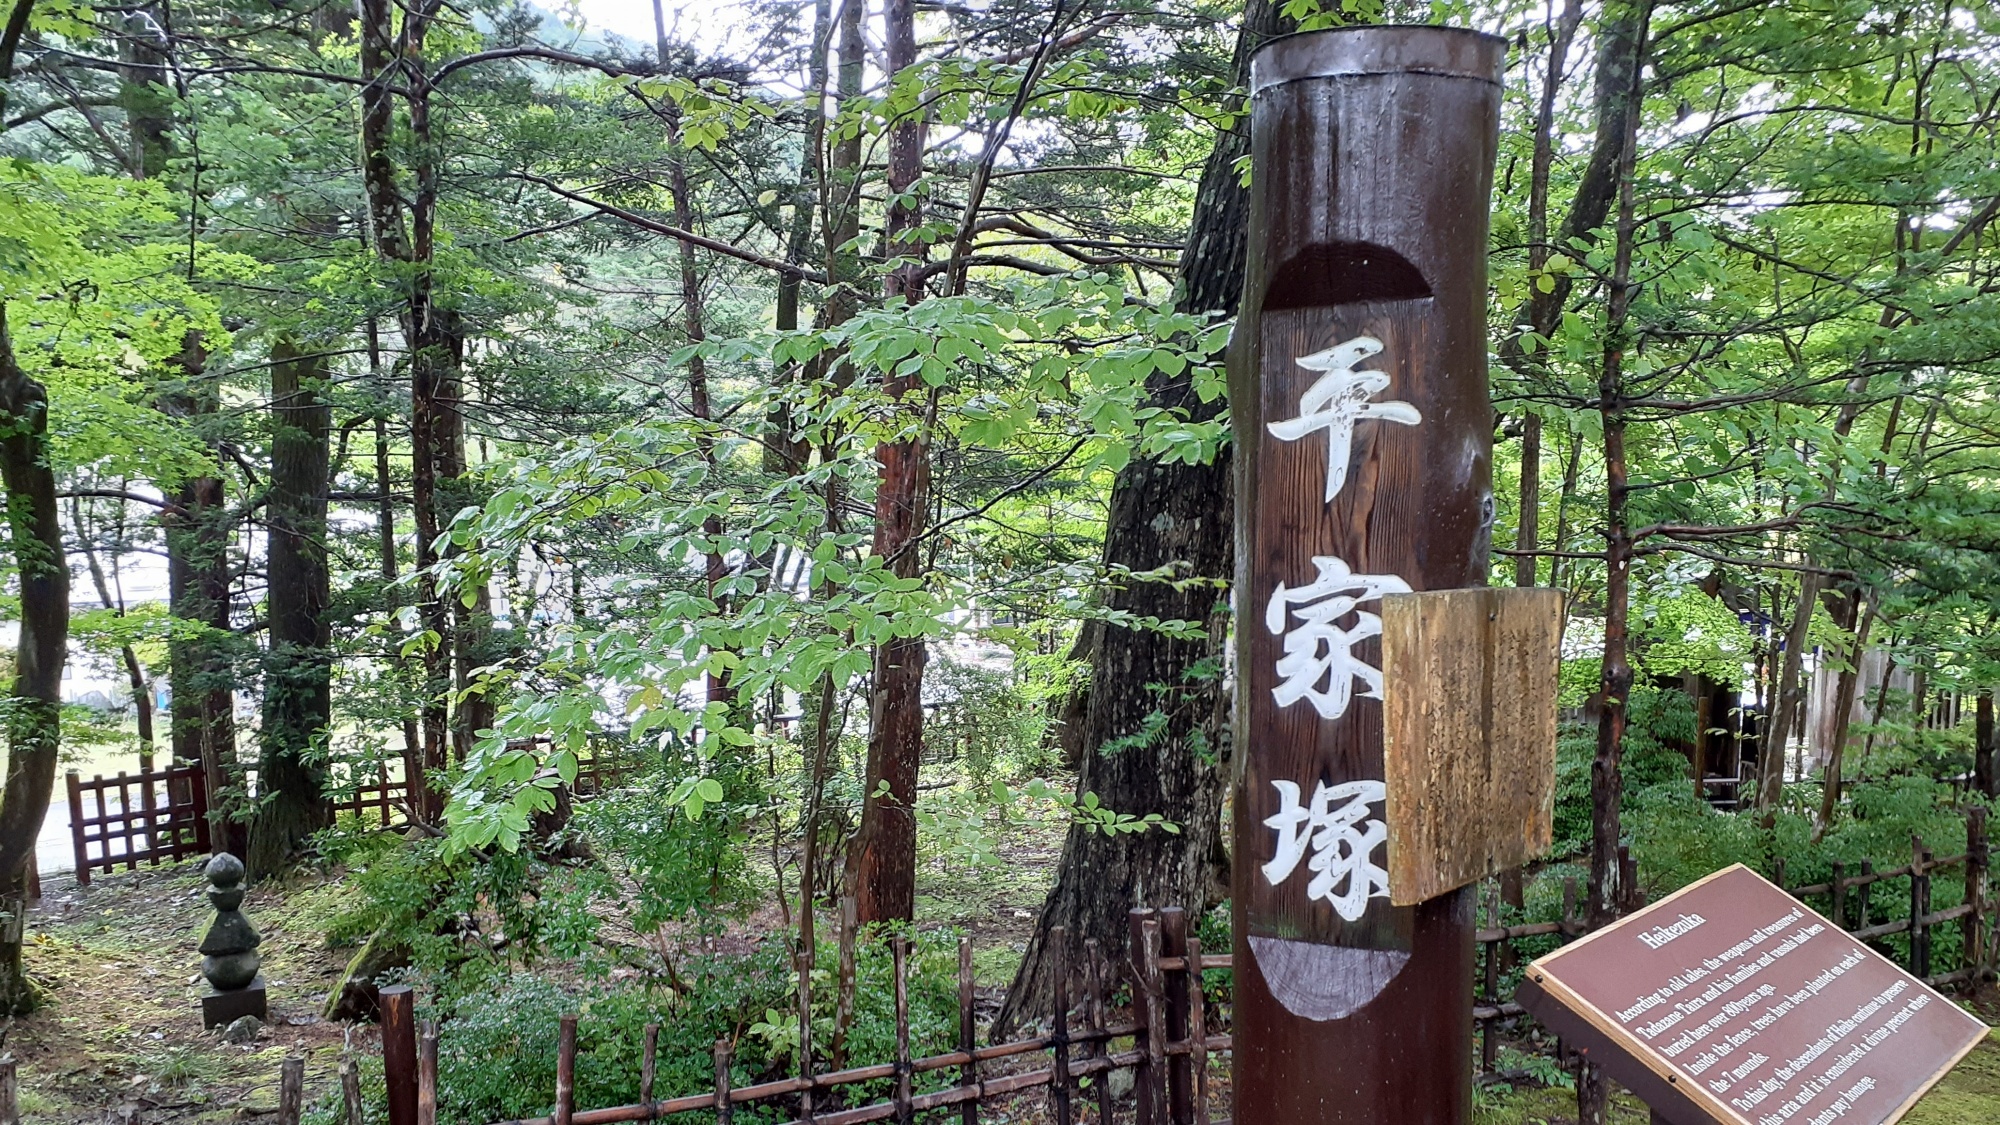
(229,950)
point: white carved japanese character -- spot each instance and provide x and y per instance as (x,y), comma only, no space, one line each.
(1343,834)
(1319,662)
(1339,399)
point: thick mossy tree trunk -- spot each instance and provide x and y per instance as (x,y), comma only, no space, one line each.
(34,709)
(291,775)
(1154,723)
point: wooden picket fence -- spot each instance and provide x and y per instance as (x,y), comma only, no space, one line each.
(158,815)
(1068,1066)
(149,817)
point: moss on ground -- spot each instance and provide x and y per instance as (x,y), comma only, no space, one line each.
(119,1034)
(1969,1095)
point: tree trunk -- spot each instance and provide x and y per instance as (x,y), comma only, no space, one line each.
(291,772)
(34,712)
(1843,715)
(1788,697)
(1161,514)
(694,324)
(1985,778)
(201,671)
(1543,310)
(200,659)
(882,865)
(435,344)
(385,530)
(1607,782)
(785,452)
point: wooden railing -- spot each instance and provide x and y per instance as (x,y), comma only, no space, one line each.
(158,815)
(1168,1035)
(1164,1039)
(382,799)
(1847,898)
(148,817)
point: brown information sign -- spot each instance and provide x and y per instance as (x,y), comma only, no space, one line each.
(1729,1001)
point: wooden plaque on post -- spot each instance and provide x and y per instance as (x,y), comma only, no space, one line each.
(1468,734)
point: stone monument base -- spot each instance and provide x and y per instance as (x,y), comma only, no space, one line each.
(220,1009)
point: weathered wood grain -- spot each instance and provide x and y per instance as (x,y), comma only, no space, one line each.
(1469,734)
(1372,163)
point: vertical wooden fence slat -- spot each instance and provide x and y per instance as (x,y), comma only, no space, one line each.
(399,1053)
(153,820)
(725,1111)
(76,827)
(648,1064)
(1197,1026)
(1866,886)
(899,951)
(125,825)
(1838,909)
(1180,1078)
(1093,961)
(1571,926)
(1059,1023)
(1977,856)
(10,1091)
(1152,1077)
(196,782)
(1143,1112)
(427,1074)
(1993,947)
(1628,880)
(566,1071)
(350,1091)
(1920,905)
(968,1075)
(291,1089)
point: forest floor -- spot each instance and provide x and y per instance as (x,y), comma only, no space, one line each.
(120,1039)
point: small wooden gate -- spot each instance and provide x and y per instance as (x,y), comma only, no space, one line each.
(149,817)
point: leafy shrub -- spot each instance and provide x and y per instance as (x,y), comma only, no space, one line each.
(683,867)
(448,909)
(1657,718)
(498,1033)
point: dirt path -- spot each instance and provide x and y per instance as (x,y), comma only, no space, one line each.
(120,1036)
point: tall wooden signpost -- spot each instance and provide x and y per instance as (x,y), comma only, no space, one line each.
(1364,431)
